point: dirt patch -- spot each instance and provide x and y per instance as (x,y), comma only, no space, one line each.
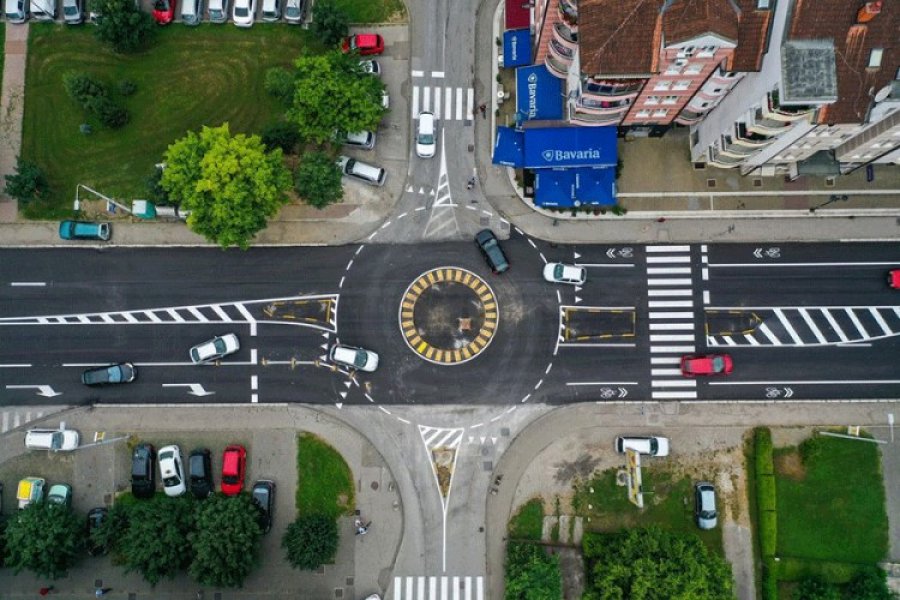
(790,464)
(582,467)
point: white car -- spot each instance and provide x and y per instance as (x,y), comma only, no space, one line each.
(563,273)
(216,348)
(244,12)
(171,469)
(51,439)
(356,358)
(370,67)
(651,445)
(425,143)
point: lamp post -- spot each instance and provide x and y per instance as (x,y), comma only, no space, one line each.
(831,199)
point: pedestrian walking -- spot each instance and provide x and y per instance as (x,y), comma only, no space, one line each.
(102,591)
(45,590)
(483,108)
(470,184)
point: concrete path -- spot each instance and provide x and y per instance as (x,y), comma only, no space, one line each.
(12,98)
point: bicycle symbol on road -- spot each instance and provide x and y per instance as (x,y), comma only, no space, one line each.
(607,393)
(626,252)
(774,252)
(772,392)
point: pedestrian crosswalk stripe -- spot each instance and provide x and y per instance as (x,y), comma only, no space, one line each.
(415,102)
(428,99)
(442,587)
(437,103)
(448,103)
(666,395)
(470,102)
(459,104)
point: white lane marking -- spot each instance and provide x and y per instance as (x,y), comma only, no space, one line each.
(705,296)
(245,313)
(668,270)
(27,283)
(705,273)
(669,292)
(222,314)
(470,102)
(254,398)
(420,581)
(83,319)
(703,247)
(415,102)
(812,382)
(106,318)
(670,303)
(468,581)
(668,259)
(665,337)
(834,324)
(254,382)
(456,588)
(437,74)
(197,314)
(665,360)
(448,102)
(673,395)
(704,259)
(881,322)
(432,587)
(152,317)
(672,315)
(790,328)
(683,383)
(459,104)
(129,318)
(576,383)
(418,73)
(426,99)
(768,333)
(174,314)
(15,365)
(606,265)
(676,281)
(670,326)
(664,372)
(437,103)
(897,311)
(671,349)
(813,264)
(812,325)
(445,581)
(668,248)
(753,341)
(479,588)
(856,323)
(730,341)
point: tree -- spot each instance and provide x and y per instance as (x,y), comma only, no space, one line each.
(531,574)
(280,84)
(318,180)
(154,542)
(155,191)
(231,184)
(310,541)
(637,563)
(332,93)
(281,135)
(27,183)
(122,25)
(813,588)
(44,538)
(869,584)
(226,541)
(329,22)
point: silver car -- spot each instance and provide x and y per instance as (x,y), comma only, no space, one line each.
(73,11)
(295,11)
(216,348)
(218,11)
(705,505)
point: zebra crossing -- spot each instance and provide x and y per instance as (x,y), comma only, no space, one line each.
(810,326)
(438,588)
(671,317)
(448,103)
(11,419)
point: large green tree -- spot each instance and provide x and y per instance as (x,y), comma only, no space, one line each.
(318,180)
(122,25)
(332,93)
(531,574)
(45,539)
(329,22)
(226,542)
(232,184)
(154,541)
(311,541)
(869,584)
(638,563)
(27,183)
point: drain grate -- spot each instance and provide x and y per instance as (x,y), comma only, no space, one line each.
(757,182)
(710,183)
(338,592)
(485,220)
(348,581)
(699,166)
(487,466)
(829,182)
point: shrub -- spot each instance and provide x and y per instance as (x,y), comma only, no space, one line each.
(156,193)
(281,134)
(318,180)
(765,464)
(127,87)
(791,568)
(813,588)
(280,83)
(768,532)
(110,113)
(83,88)
(765,493)
(311,541)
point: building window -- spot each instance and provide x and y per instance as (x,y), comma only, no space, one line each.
(673,69)
(670,99)
(642,114)
(693,69)
(682,84)
(659,113)
(875,57)
(662,85)
(652,100)
(707,51)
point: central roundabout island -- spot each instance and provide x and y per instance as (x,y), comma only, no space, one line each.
(448,316)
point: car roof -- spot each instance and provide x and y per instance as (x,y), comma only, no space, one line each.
(367,39)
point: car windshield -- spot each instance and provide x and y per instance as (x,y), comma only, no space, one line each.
(360,359)
(56,440)
(161,5)
(114,374)
(654,446)
(353,44)
(718,364)
(240,11)
(261,495)
(558,271)
(426,140)
(70,9)
(292,11)
(230,478)
(219,344)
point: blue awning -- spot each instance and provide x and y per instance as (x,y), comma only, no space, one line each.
(516,47)
(595,186)
(539,95)
(554,187)
(551,147)
(509,147)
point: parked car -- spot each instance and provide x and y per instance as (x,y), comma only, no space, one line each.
(355,358)
(58,440)
(295,11)
(171,470)
(95,518)
(385,99)
(370,67)
(361,171)
(271,10)
(218,11)
(366,44)
(73,11)
(143,471)
(234,467)
(200,473)
(893,279)
(115,373)
(425,138)
(264,498)
(694,365)
(216,348)
(649,445)
(191,11)
(490,248)
(163,11)
(83,230)
(244,13)
(364,140)
(31,489)
(60,494)
(43,10)
(15,11)
(563,273)
(705,505)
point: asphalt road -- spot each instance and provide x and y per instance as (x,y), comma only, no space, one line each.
(800,322)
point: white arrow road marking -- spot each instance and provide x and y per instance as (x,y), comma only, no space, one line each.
(43,390)
(196,388)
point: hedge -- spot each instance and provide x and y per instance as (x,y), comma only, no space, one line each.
(766,500)
(769,579)
(768,532)
(765,462)
(794,569)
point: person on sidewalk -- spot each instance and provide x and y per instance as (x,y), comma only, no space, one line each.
(102,591)
(45,590)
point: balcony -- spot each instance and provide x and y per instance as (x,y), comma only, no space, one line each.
(602,107)
(565,35)
(716,159)
(563,54)
(568,11)
(766,127)
(732,150)
(689,117)
(580,118)
(786,114)
(745,137)
(555,66)
(603,90)
(721,78)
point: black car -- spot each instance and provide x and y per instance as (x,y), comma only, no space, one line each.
(95,518)
(200,473)
(143,471)
(117,373)
(493,253)
(264,498)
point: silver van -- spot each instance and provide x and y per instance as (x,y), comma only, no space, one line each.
(73,11)
(218,11)
(15,11)
(361,171)
(191,11)
(43,10)
(360,139)
(271,10)
(295,11)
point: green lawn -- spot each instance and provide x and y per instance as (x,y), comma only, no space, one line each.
(373,11)
(191,76)
(324,481)
(528,522)
(668,502)
(834,508)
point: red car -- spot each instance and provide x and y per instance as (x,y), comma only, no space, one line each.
(893,279)
(365,44)
(706,364)
(163,11)
(234,467)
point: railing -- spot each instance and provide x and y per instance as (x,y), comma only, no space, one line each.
(610,90)
(772,110)
(601,108)
(593,119)
(555,66)
(744,137)
(563,53)
(723,162)
(568,11)
(564,34)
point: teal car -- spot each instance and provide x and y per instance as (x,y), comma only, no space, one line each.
(84,230)
(61,495)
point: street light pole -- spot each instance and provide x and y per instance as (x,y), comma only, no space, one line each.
(831,199)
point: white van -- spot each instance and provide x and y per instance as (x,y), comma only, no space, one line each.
(43,10)
(271,10)
(52,439)
(361,171)
(15,11)
(218,11)
(294,11)
(191,11)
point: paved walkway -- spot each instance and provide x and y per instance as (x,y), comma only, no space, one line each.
(12,96)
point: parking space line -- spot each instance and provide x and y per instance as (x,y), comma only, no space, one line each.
(459,104)
(415,102)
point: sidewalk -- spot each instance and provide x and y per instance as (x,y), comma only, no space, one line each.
(12,95)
